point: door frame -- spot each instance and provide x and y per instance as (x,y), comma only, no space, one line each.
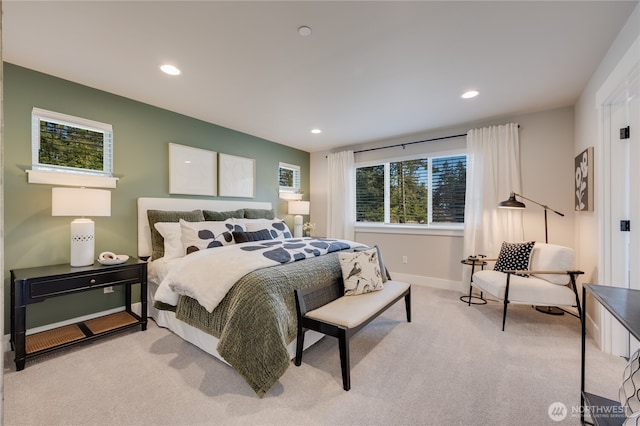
(607,331)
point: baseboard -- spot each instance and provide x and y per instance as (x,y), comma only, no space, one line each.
(420,280)
(6,339)
(593,329)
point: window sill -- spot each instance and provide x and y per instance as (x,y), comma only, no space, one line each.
(70,179)
(441,230)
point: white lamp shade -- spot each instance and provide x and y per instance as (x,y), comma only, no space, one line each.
(80,202)
(298,207)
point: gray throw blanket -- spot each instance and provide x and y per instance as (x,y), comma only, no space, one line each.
(256,320)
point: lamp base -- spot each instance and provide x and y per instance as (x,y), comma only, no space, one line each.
(82,242)
(297,226)
(550,310)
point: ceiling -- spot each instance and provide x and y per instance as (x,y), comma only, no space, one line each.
(369,70)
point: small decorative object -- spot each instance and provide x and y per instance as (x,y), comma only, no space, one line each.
(584,180)
(307,227)
(629,398)
(109,258)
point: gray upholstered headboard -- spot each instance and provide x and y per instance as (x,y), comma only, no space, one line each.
(182,204)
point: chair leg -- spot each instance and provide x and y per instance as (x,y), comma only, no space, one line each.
(299,346)
(506,301)
(343,343)
(504,313)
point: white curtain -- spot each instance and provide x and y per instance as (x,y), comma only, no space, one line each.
(341,195)
(493,173)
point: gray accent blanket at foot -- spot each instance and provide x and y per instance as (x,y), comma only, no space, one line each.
(256,320)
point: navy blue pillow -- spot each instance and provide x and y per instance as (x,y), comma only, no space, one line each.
(246,237)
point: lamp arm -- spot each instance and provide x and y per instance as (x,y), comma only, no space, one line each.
(541,205)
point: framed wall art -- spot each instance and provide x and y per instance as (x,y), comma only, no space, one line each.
(584,180)
(237,176)
(192,171)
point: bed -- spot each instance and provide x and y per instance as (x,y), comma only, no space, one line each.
(222,329)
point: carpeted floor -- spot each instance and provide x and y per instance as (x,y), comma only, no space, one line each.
(451,366)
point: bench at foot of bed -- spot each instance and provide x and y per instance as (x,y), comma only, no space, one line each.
(325,309)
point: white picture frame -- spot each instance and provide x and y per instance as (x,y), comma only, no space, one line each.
(237,176)
(192,171)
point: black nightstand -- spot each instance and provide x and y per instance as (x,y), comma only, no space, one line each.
(33,285)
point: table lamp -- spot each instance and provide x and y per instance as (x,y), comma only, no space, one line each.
(298,208)
(81,202)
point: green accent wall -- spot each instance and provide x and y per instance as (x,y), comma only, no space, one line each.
(141,136)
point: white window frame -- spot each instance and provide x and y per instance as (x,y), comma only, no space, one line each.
(450,228)
(295,189)
(39,115)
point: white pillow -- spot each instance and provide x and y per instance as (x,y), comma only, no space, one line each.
(203,235)
(276,227)
(172,235)
(360,272)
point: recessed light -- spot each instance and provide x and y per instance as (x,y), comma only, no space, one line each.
(316,131)
(170,69)
(304,31)
(470,94)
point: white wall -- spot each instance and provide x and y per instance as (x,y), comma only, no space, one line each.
(547,155)
(588,225)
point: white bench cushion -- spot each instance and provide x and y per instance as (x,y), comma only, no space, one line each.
(351,311)
(530,290)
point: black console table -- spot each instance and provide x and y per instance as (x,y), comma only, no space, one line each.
(33,285)
(624,305)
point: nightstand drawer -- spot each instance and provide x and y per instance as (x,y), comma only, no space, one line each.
(43,288)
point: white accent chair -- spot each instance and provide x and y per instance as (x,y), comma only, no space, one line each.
(551,280)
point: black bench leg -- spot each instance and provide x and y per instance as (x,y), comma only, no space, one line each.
(343,343)
(299,346)
(407,303)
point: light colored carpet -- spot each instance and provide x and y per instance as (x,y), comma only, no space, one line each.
(451,366)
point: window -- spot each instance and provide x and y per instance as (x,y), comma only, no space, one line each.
(289,178)
(64,143)
(419,191)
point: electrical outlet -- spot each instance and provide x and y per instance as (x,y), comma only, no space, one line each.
(404,259)
(108,290)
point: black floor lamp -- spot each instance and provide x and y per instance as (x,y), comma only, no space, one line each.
(512,203)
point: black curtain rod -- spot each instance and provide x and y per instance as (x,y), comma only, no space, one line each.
(411,143)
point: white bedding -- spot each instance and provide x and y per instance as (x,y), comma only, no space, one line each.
(207,275)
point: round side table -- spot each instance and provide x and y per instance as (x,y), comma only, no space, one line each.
(470,299)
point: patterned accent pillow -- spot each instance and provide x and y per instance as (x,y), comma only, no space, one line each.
(157,242)
(383,269)
(514,256)
(277,227)
(203,235)
(245,237)
(360,272)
